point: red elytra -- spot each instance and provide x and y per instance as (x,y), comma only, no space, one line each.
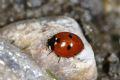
(65,44)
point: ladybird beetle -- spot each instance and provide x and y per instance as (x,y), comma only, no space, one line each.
(65,44)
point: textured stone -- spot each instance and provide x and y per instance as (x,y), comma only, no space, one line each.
(16,65)
(32,35)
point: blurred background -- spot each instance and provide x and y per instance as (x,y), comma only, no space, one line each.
(99,19)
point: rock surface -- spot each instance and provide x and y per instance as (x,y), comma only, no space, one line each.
(99,20)
(32,35)
(16,65)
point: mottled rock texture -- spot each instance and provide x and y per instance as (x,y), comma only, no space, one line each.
(32,35)
(99,19)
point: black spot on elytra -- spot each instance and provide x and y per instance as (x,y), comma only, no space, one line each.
(70,35)
(68,47)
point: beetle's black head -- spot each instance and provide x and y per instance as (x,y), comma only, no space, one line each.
(51,41)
